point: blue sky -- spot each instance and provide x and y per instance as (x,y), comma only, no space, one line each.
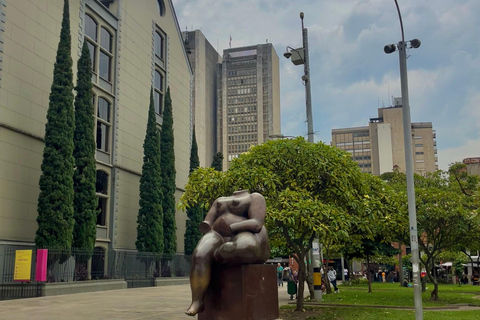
(351,76)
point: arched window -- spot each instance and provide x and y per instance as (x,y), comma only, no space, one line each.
(161,7)
(100,44)
(91,27)
(101,189)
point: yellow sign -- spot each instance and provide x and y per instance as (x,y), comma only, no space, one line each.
(23,265)
(317,279)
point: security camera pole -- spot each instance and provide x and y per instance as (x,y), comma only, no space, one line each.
(300,56)
(306,78)
(407,130)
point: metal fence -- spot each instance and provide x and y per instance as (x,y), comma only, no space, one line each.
(138,269)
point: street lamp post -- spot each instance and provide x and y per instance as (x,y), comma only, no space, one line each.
(300,56)
(407,130)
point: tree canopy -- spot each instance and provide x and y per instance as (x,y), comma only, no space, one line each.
(84,176)
(150,214)
(447,217)
(167,162)
(195,213)
(55,202)
(312,191)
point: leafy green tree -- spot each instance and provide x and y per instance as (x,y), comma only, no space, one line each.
(389,226)
(55,202)
(150,214)
(312,190)
(446,217)
(217,162)
(84,175)
(167,162)
(195,213)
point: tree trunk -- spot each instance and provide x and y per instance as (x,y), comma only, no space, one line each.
(400,264)
(301,281)
(369,275)
(309,277)
(328,288)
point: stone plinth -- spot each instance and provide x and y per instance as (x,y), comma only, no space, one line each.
(246,292)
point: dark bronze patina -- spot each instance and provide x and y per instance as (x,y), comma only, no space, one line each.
(233,234)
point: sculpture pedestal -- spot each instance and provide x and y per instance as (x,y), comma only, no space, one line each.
(246,292)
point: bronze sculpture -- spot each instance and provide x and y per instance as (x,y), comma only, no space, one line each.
(233,234)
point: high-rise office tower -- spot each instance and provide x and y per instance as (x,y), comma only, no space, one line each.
(203,59)
(379,147)
(248,99)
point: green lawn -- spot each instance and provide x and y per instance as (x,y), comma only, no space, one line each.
(383,314)
(392,294)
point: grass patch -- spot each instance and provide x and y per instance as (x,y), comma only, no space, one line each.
(378,314)
(392,294)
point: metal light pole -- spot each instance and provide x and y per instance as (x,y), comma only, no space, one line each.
(407,130)
(300,56)
(306,78)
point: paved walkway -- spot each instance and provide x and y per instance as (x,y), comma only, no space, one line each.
(165,302)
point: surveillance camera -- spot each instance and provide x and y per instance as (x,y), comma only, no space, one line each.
(415,43)
(287,54)
(389,48)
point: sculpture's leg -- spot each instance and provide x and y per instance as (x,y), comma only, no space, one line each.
(244,247)
(200,272)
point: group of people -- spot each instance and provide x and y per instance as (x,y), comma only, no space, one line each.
(285,274)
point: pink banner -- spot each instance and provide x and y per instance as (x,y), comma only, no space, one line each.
(41,271)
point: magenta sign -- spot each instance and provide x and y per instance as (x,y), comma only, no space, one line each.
(41,270)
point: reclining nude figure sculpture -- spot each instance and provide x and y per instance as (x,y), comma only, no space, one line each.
(233,234)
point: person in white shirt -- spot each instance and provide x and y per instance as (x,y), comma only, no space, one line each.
(332,277)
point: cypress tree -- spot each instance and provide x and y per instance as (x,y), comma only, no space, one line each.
(55,202)
(217,162)
(195,213)
(150,214)
(84,176)
(168,180)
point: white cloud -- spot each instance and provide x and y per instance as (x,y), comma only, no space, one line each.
(351,76)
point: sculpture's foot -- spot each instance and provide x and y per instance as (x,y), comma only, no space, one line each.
(195,308)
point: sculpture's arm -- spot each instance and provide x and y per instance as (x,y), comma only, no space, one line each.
(210,218)
(256,215)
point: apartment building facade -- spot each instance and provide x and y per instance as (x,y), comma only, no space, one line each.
(379,147)
(134,46)
(248,99)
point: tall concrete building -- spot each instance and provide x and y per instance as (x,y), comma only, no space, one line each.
(135,46)
(248,99)
(203,59)
(379,147)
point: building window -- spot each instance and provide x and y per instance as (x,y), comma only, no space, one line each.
(100,44)
(159,47)
(158,91)
(101,189)
(419,153)
(419,145)
(161,7)
(103,125)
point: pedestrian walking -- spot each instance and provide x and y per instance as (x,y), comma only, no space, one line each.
(332,277)
(280,274)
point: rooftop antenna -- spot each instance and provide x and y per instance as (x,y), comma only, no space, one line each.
(230,43)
